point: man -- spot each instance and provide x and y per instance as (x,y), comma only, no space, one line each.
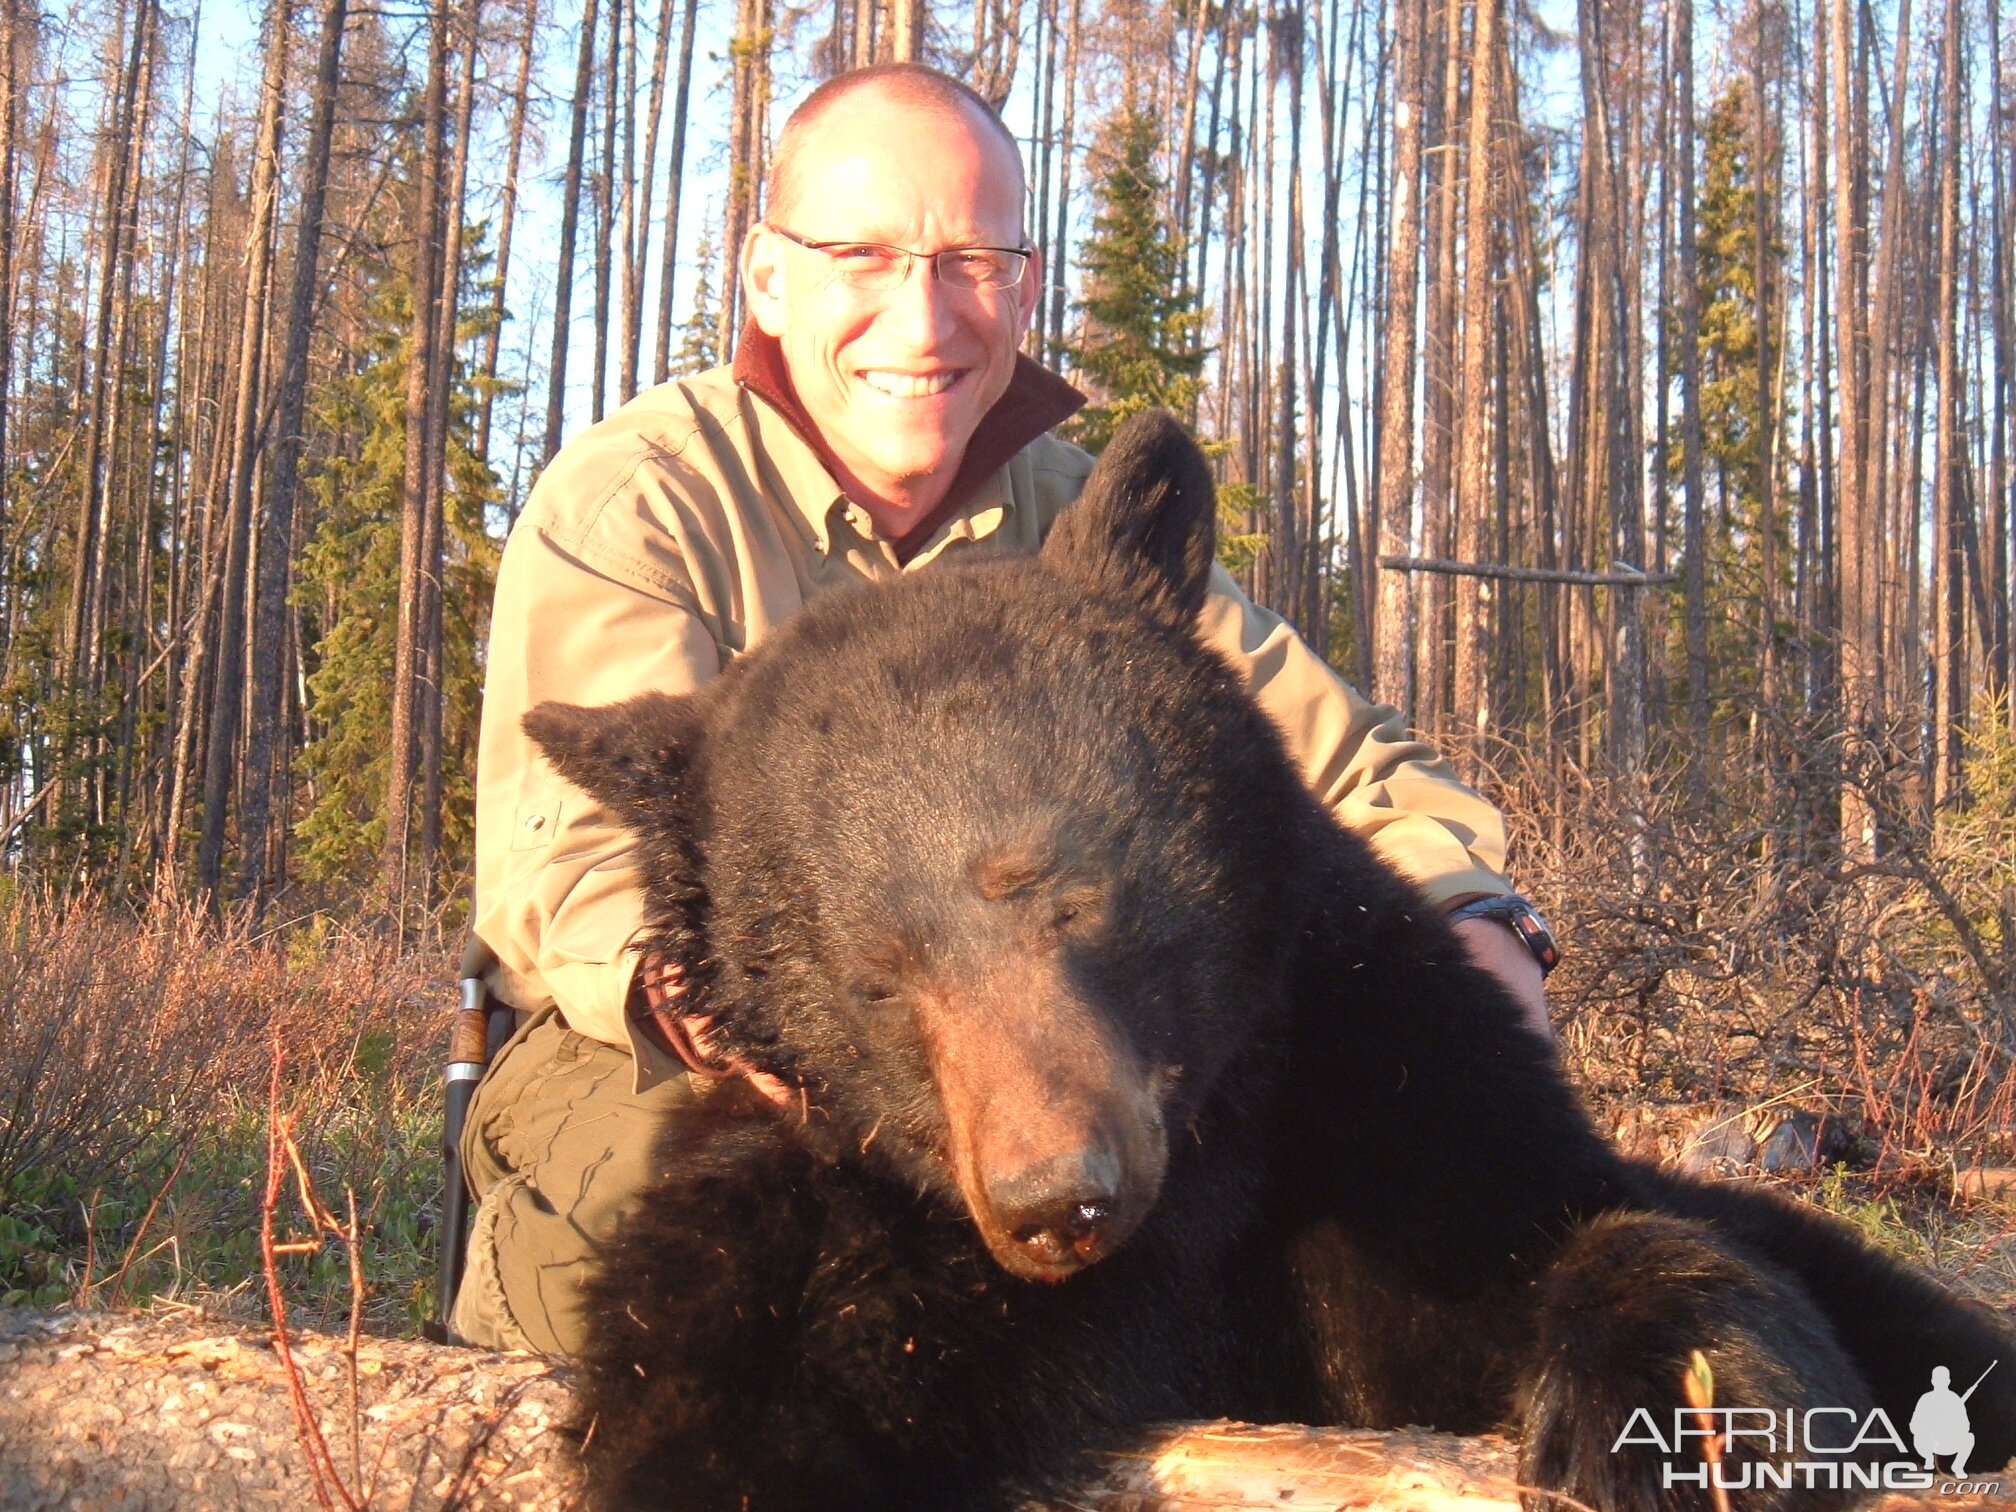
(877,420)
(1939,1422)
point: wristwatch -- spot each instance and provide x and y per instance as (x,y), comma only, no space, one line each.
(1521,917)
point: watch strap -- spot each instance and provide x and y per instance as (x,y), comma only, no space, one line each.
(1520,916)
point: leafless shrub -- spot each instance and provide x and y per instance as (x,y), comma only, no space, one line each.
(117,1026)
(1723,948)
(134,1044)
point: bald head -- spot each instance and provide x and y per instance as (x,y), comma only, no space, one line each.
(896,377)
(858,97)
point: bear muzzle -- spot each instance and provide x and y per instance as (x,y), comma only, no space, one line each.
(1062,1215)
(1056,1170)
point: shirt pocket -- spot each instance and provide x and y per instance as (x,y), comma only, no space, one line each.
(536,823)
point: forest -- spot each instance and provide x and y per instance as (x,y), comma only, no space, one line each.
(1626,392)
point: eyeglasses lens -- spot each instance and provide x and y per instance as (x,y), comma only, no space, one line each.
(879,269)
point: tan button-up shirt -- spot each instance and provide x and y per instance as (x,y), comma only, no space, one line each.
(680,531)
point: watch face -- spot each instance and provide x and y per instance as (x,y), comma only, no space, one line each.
(1538,937)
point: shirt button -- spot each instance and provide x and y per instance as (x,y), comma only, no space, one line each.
(535,821)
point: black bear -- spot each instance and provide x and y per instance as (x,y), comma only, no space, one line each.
(1119,1084)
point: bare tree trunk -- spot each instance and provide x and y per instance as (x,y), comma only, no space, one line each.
(1060,245)
(1292,552)
(605,207)
(630,297)
(1393,661)
(745,152)
(205,548)
(1538,438)
(1860,551)
(2001,650)
(1693,532)
(1042,153)
(675,171)
(637,245)
(493,342)
(276,555)
(1767,407)
(227,685)
(1438,356)
(1825,624)
(13,25)
(1474,596)
(570,214)
(433,689)
(1885,337)
(1952,461)
(408,650)
(85,612)
(908,43)
(864,32)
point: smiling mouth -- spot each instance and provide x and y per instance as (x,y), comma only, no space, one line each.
(913,385)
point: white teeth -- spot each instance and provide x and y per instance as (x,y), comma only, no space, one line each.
(910,386)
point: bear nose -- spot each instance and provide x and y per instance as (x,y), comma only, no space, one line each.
(1060,1212)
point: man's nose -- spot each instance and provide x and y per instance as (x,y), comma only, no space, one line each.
(920,308)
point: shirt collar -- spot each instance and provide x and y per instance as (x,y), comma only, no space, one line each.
(1035,401)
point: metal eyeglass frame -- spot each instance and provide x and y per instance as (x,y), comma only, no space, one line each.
(1024,256)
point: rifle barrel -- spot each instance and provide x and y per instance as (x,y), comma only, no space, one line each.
(1978,1380)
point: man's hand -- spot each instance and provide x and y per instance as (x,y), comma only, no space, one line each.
(1494,947)
(658,1007)
(654,1004)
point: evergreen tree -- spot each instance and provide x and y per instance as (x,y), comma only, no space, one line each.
(1726,259)
(1138,344)
(700,337)
(347,589)
(1732,434)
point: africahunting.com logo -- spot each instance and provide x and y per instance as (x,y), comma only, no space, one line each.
(1838,1448)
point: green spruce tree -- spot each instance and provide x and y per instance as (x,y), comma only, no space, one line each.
(347,588)
(1732,433)
(1138,344)
(700,336)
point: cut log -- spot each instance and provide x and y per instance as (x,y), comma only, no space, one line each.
(178,1410)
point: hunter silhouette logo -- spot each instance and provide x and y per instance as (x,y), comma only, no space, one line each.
(1939,1422)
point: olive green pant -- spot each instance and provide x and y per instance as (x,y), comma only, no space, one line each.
(557,1148)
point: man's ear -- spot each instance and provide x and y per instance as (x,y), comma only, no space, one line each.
(638,758)
(763,285)
(1146,525)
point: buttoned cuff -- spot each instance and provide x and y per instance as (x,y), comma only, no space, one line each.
(1450,888)
(1432,855)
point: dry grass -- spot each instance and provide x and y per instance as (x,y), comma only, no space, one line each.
(134,1048)
(1720,953)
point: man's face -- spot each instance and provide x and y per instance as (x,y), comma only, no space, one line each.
(898,380)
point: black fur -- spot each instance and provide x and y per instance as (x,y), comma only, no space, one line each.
(1382,1204)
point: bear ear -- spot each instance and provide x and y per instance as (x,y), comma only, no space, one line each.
(1146,524)
(636,757)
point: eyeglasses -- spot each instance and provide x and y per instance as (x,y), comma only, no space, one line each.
(878,268)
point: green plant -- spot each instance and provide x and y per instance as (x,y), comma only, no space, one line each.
(132,1157)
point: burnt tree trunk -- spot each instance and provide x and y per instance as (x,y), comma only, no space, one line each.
(276,554)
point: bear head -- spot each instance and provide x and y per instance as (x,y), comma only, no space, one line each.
(994,863)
